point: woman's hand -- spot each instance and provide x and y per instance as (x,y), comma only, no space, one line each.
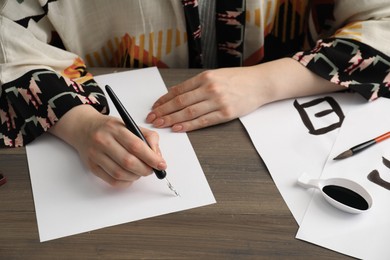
(220,95)
(107,147)
(212,97)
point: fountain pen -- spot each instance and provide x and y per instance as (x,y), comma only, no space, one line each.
(132,126)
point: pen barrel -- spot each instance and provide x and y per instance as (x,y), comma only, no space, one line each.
(131,125)
(127,119)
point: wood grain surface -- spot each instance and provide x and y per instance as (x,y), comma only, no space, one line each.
(249,221)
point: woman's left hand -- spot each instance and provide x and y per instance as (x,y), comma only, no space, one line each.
(220,95)
(209,98)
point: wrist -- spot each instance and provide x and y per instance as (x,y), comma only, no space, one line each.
(287,78)
(74,124)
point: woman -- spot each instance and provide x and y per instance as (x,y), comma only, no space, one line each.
(351,51)
(47,44)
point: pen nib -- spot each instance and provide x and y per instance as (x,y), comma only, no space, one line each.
(171,187)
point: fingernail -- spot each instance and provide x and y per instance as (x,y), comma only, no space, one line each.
(150,117)
(162,166)
(158,122)
(177,128)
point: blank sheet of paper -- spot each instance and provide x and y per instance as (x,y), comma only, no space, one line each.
(70,200)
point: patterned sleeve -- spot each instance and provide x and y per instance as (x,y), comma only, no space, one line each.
(32,103)
(39,83)
(352,40)
(350,63)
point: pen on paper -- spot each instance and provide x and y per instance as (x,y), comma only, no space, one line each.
(132,126)
(360,147)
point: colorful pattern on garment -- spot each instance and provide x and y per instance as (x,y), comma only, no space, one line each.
(355,65)
(30,105)
(194,31)
(230,29)
(248,32)
(285,33)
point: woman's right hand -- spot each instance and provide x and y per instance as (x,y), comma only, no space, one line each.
(107,147)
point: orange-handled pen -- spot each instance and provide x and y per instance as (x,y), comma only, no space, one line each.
(360,147)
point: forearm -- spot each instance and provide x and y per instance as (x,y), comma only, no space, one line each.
(39,84)
(220,95)
(287,78)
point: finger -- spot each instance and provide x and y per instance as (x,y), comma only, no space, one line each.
(118,161)
(130,170)
(140,150)
(153,139)
(102,174)
(203,121)
(120,172)
(186,114)
(177,90)
(131,159)
(176,104)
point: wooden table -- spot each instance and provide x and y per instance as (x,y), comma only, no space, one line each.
(249,221)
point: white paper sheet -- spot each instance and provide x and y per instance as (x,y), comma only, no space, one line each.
(70,200)
(288,149)
(366,235)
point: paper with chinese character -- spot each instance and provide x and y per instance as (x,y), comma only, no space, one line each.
(295,136)
(365,235)
(304,135)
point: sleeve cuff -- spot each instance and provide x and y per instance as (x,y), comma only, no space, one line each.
(33,103)
(350,63)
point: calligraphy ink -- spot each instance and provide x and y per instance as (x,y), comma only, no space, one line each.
(346,196)
(385,162)
(376,178)
(335,108)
